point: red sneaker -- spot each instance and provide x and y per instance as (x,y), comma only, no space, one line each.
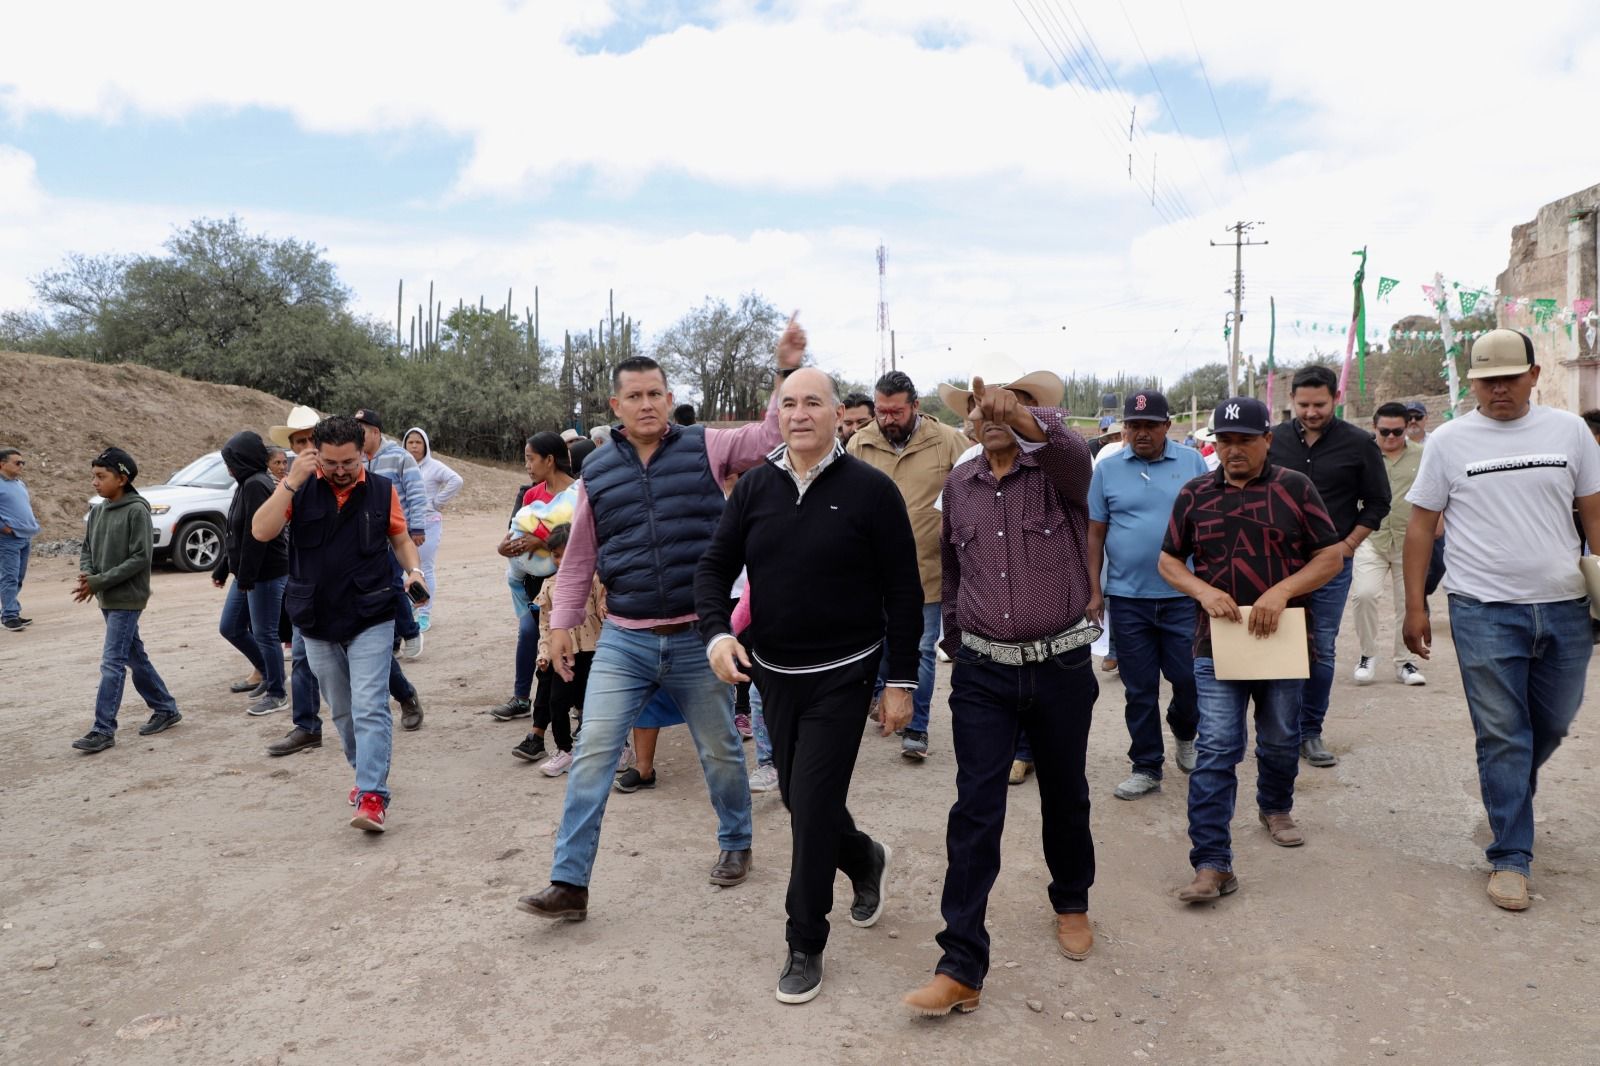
(369,813)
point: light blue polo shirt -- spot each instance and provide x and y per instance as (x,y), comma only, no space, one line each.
(1134,499)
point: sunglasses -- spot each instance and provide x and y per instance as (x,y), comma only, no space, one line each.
(1391,432)
(1416,418)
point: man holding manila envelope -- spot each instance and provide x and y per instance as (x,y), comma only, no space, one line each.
(1262,542)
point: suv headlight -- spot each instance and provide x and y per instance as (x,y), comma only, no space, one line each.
(160,508)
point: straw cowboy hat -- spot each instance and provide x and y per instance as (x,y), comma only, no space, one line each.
(301,419)
(1000,371)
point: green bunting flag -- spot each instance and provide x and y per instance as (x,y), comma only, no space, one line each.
(1469,300)
(1543,310)
(1386,286)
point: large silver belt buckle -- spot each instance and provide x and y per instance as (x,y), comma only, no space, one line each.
(1006,654)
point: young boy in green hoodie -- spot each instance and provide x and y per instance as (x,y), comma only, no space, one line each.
(114,567)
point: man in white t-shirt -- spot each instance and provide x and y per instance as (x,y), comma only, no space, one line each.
(1506,477)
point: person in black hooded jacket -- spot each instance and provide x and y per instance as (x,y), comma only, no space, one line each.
(250,612)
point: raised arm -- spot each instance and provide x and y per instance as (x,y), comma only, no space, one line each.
(733,451)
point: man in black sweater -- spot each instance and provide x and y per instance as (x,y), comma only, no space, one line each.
(816,526)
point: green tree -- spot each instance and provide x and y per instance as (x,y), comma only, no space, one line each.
(1208,385)
(724,353)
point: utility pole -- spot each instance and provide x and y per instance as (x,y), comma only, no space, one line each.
(893,364)
(1238,229)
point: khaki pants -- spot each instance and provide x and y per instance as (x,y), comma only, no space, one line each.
(1370,569)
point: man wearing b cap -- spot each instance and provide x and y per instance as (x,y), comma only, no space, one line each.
(1505,478)
(1130,501)
(1260,538)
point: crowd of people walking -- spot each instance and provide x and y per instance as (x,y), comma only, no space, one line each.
(662,571)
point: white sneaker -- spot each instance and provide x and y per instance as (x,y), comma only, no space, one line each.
(411,649)
(1138,784)
(764,778)
(1365,671)
(1408,674)
(940,655)
(627,759)
(557,764)
(1186,756)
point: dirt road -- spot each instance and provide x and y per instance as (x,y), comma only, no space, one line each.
(185,899)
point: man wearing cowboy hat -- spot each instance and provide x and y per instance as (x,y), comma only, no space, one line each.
(578,448)
(1014,591)
(296,435)
(305,697)
(917,453)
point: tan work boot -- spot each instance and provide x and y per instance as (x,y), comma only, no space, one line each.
(1020,769)
(1284,832)
(940,996)
(1509,890)
(1074,935)
(1208,884)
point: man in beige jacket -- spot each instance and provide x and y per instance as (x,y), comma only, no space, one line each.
(918,452)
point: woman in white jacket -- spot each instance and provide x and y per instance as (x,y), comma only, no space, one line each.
(441,484)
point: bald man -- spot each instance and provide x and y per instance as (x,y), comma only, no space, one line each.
(830,553)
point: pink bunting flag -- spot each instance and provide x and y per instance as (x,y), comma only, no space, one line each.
(1431,293)
(1581,307)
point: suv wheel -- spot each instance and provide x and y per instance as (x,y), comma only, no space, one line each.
(197,545)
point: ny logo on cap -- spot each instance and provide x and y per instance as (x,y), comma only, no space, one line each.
(1231,411)
(1139,402)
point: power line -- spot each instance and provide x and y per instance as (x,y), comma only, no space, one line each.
(1172,112)
(1220,124)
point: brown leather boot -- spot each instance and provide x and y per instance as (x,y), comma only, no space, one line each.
(1208,884)
(558,902)
(732,868)
(1074,935)
(1284,832)
(940,996)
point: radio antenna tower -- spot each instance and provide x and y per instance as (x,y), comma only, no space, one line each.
(885,341)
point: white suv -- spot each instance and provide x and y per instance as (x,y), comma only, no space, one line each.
(189,513)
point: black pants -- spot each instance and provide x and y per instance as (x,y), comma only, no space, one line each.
(990,705)
(544,681)
(566,697)
(815,722)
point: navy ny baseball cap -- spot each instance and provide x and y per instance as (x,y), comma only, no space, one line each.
(1241,414)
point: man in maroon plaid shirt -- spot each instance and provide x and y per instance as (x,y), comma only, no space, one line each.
(1014,545)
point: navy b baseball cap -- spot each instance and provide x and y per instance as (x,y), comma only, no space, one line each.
(1146,405)
(1241,414)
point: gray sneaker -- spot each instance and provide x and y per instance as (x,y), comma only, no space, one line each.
(266,705)
(1185,756)
(411,648)
(1138,784)
(915,744)
(764,778)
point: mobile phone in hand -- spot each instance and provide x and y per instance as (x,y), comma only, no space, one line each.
(417,592)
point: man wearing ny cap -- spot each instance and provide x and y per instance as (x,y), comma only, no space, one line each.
(1130,501)
(1015,586)
(1344,464)
(1505,477)
(1259,537)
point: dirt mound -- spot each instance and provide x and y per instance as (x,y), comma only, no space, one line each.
(64,412)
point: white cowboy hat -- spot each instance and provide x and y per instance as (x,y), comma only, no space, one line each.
(1207,434)
(1000,371)
(300,419)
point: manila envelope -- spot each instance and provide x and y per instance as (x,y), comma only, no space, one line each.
(1589,567)
(1239,655)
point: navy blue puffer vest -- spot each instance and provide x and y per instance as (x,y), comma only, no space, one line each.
(341,580)
(652,522)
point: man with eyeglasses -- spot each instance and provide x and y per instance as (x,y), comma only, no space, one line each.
(917,453)
(18,527)
(1379,559)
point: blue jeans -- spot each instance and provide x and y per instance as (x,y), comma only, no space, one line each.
(527,656)
(1327,610)
(758,726)
(250,623)
(1155,638)
(122,654)
(922,699)
(14,552)
(1523,667)
(1219,747)
(355,678)
(629,667)
(306,699)
(990,705)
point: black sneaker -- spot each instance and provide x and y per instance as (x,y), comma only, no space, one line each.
(16,625)
(92,742)
(159,721)
(411,712)
(531,748)
(801,978)
(867,907)
(515,707)
(631,780)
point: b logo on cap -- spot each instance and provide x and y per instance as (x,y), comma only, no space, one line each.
(1231,411)
(1139,402)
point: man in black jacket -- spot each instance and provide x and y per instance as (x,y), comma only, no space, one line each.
(1344,463)
(250,612)
(815,525)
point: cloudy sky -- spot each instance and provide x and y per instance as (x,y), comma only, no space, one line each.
(676,150)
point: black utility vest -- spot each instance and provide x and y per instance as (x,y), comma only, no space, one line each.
(341,576)
(652,522)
